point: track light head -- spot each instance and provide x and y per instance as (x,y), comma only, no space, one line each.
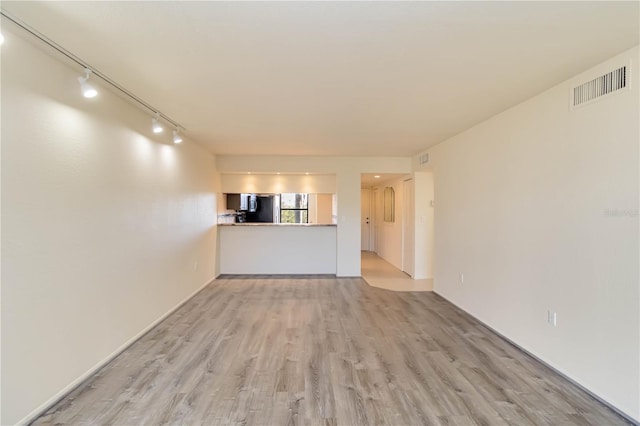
(176,137)
(155,124)
(88,91)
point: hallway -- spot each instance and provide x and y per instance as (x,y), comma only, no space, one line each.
(377,272)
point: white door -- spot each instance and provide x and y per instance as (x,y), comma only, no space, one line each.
(365,231)
(373,223)
(407,227)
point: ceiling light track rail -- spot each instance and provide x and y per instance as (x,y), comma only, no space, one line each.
(93,70)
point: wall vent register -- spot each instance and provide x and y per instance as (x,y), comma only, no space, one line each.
(606,84)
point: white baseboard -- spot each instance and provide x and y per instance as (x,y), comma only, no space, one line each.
(77,382)
(555,370)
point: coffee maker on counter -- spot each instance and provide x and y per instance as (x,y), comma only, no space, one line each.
(241,216)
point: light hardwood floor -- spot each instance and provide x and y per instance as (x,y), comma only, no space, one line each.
(323,351)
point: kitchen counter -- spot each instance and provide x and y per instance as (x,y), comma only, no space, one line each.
(277,248)
(276,224)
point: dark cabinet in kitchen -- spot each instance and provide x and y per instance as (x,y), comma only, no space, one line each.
(233,202)
(242,202)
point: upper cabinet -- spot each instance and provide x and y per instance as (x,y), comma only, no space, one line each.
(242,202)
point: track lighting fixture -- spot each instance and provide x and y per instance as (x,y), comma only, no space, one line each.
(176,136)
(155,124)
(88,91)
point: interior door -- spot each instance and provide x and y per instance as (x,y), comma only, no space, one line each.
(365,219)
(373,223)
(408,227)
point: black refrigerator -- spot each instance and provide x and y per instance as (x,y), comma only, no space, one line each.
(264,211)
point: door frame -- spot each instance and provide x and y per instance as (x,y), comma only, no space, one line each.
(408,227)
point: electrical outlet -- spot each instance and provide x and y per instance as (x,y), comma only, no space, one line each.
(195,266)
(552,318)
(461,278)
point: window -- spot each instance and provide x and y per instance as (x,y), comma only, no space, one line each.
(294,208)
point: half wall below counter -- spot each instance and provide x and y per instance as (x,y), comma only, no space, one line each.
(268,248)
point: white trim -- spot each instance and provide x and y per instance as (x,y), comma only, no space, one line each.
(77,382)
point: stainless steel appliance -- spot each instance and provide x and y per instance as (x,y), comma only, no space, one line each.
(252,202)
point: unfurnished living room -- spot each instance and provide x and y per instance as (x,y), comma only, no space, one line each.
(320,213)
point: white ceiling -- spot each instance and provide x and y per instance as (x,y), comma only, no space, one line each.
(369,180)
(334,78)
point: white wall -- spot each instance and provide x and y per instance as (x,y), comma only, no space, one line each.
(257,249)
(424,222)
(103,226)
(538,207)
(277,184)
(323,208)
(320,208)
(347,171)
(312,207)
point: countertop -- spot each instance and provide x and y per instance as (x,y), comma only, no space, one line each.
(276,224)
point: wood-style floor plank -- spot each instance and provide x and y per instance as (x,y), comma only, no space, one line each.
(323,351)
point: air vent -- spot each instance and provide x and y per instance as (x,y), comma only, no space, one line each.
(599,87)
(424,158)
